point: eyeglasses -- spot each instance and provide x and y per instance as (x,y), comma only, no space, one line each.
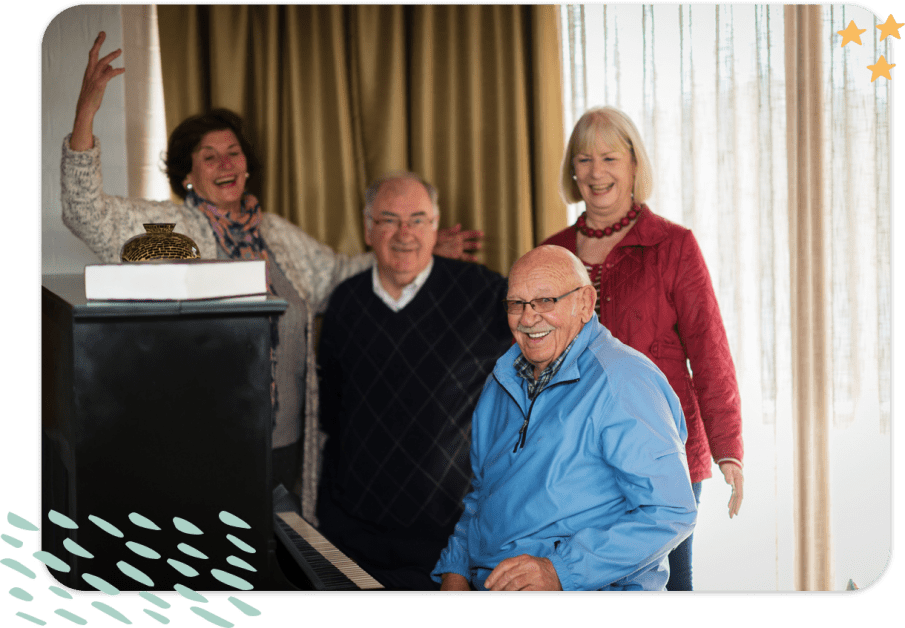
(393,223)
(541,305)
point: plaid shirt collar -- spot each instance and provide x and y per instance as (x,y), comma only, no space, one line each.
(525,370)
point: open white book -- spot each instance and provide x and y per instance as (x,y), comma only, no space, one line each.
(172,280)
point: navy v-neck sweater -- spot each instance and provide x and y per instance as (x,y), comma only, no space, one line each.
(397,393)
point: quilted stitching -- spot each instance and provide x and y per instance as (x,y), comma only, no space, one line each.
(656,296)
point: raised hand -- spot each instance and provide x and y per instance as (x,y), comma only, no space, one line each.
(458,244)
(97,74)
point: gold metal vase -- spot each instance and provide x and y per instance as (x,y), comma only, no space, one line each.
(159,242)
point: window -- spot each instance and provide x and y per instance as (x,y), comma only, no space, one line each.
(706,86)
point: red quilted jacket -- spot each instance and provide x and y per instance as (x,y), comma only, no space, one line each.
(656,296)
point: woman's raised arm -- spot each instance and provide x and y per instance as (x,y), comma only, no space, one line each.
(97,74)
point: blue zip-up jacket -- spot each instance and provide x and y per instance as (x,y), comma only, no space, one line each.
(601,484)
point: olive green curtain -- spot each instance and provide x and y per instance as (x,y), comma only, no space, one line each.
(334,96)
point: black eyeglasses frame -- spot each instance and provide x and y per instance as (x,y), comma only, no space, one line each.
(508,304)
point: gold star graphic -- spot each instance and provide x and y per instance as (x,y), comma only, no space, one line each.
(890,28)
(852,33)
(880,69)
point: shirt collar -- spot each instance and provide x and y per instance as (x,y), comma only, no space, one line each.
(525,370)
(408,292)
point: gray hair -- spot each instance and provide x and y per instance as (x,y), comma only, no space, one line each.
(374,189)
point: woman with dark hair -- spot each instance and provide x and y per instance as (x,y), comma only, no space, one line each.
(654,294)
(186,138)
(209,161)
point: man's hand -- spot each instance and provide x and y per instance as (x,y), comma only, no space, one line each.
(524,573)
(734,478)
(454,582)
(458,244)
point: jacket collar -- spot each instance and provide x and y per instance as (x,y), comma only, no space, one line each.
(649,229)
(505,374)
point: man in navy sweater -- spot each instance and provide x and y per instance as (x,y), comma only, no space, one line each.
(405,350)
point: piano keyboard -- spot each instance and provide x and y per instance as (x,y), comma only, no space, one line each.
(327,567)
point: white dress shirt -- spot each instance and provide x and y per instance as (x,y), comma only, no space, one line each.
(408,292)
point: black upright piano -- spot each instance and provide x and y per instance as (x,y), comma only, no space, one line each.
(156,446)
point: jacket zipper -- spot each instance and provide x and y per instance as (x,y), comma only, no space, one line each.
(523,431)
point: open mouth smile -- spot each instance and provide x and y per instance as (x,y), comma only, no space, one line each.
(535,335)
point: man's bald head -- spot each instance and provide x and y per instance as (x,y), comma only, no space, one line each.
(554,259)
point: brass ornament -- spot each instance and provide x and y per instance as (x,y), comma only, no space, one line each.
(159,242)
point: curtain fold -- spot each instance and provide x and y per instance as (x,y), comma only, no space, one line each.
(548,138)
(145,118)
(181,32)
(809,289)
(467,96)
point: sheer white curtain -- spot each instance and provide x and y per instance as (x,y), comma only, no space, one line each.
(706,85)
(857,155)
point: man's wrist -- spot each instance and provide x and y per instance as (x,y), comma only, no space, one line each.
(454,582)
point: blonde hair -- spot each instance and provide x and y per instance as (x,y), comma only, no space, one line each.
(616,130)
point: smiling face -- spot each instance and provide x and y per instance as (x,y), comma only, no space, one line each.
(219,170)
(605,175)
(405,251)
(548,271)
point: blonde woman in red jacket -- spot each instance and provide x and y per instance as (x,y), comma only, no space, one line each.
(654,294)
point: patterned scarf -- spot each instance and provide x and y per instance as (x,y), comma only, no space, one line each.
(239,238)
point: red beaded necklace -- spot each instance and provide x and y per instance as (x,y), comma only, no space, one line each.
(626,220)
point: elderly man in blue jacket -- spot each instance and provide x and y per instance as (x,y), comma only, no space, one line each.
(580,476)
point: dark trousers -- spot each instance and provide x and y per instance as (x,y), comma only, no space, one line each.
(680,558)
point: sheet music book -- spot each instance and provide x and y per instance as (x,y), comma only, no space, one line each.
(175,280)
